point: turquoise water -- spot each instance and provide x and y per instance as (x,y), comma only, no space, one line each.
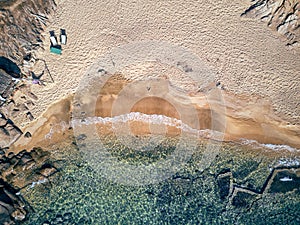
(81,195)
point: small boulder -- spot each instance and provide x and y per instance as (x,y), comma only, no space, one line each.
(3,120)
(47,170)
(4,215)
(18,215)
(27,135)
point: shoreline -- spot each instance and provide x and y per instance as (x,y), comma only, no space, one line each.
(56,123)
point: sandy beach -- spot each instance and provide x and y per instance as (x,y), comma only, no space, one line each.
(259,75)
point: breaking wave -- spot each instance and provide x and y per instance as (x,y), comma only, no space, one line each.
(151,119)
(161,120)
(274,147)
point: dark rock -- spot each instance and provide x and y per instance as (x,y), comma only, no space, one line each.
(26,157)
(27,57)
(5,83)
(3,132)
(26,23)
(10,67)
(27,134)
(2,152)
(13,160)
(243,200)
(11,206)
(81,137)
(21,153)
(38,153)
(224,186)
(9,134)
(3,120)
(47,170)
(280,16)
(19,215)
(4,198)
(29,116)
(67,217)
(10,155)
(4,166)
(4,215)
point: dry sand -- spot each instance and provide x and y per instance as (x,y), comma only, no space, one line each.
(260,74)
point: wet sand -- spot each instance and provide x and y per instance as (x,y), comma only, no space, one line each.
(56,123)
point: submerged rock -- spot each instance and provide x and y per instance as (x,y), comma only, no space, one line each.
(285,181)
(243,199)
(224,186)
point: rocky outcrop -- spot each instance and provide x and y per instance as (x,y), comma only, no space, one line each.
(22,171)
(282,16)
(12,206)
(6,84)
(9,132)
(21,25)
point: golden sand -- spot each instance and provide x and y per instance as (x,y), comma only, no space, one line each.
(260,75)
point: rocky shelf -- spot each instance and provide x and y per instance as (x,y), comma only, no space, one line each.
(281,16)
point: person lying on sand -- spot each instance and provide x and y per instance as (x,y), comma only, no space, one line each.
(36,79)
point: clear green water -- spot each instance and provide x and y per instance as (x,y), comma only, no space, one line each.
(80,195)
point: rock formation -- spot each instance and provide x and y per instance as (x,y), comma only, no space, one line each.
(22,171)
(21,25)
(280,15)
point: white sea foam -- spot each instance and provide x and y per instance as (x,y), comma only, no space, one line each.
(151,119)
(287,162)
(280,147)
(38,182)
(59,127)
(256,144)
(160,120)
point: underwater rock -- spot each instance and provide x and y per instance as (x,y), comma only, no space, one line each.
(284,181)
(67,217)
(224,186)
(243,199)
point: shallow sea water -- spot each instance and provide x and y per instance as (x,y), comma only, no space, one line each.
(80,194)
